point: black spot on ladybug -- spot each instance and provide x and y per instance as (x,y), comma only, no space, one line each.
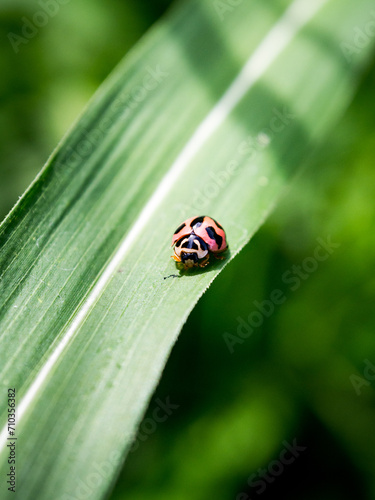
(179,228)
(214,236)
(195,242)
(190,242)
(197,221)
(178,243)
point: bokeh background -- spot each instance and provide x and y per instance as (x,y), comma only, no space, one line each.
(306,374)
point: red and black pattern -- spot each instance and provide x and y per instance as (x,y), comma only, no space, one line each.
(196,238)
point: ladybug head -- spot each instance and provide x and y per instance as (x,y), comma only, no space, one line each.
(189,259)
(191,250)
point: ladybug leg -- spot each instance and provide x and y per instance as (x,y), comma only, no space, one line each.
(204,261)
(219,255)
(179,262)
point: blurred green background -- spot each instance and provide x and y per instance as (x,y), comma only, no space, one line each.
(301,375)
(46,85)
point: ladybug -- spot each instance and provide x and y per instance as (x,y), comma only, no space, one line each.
(195,239)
